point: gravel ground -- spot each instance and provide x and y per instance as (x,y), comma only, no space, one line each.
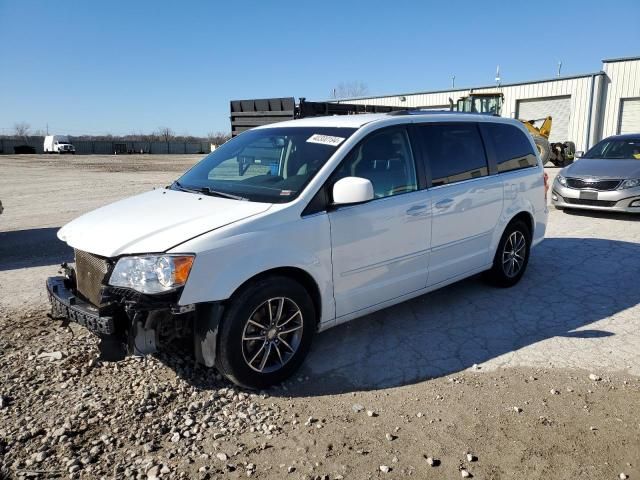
(526,389)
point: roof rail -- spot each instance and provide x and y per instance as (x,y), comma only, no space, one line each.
(418,111)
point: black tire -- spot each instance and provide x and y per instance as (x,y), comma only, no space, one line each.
(249,303)
(570,149)
(544,149)
(500,274)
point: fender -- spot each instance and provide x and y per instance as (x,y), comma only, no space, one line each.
(229,257)
(522,193)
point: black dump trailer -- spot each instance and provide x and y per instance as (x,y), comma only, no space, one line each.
(247,114)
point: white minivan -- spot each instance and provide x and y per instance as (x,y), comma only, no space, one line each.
(294,227)
(58,144)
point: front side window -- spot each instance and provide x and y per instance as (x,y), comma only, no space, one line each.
(616,149)
(265,165)
(512,147)
(454,151)
(385,159)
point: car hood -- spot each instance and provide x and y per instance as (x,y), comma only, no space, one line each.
(153,222)
(603,168)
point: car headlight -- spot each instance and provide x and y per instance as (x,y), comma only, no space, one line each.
(152,274)
(561,180)
(631,183)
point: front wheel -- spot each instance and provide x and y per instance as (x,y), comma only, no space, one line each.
(266,332)
(512,255)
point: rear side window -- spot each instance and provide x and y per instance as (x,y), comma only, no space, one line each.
(455,152)
(512,147)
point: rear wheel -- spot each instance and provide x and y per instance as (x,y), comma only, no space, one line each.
(512,256)
(266,332)
(544,149)
(570,149)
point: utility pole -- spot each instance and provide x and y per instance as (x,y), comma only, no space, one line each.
(559,67)
(453,81)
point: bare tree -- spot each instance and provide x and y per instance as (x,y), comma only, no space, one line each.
(166,135)
(218,138)
(22,130)
(350,90)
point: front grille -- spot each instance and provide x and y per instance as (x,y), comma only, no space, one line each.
(91,271)
(593,184)
(591,203)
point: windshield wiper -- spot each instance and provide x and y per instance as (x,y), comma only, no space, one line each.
(189,189)
(224,194)
(208,191)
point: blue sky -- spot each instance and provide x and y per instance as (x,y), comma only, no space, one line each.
(132,66)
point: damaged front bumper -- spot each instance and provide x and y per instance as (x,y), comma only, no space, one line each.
(65,304)
(130,323)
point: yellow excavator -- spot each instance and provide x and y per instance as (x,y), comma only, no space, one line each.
(560,154)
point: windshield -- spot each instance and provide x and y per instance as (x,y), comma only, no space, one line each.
(265,165)
(618,148)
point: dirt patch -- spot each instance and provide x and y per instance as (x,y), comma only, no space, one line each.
(104,163)
(64,414)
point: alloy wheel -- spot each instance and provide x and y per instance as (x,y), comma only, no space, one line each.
(272,334)
(513,254)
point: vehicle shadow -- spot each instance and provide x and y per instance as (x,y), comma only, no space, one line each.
(571,283)
(623,216)
(35,247)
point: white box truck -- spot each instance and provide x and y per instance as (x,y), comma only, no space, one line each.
(58,144)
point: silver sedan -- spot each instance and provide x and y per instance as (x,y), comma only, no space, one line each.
(607,177)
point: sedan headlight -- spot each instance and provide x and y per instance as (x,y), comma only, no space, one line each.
(561,180)
(152,274)
(631,183)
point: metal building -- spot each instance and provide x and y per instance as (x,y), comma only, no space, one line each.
(585,108)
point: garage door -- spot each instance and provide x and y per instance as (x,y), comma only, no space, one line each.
(630,116)
(558,107)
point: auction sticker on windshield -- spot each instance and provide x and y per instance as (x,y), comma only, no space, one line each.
(325,140)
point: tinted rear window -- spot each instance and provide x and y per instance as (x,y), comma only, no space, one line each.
(512,147)
(454,152)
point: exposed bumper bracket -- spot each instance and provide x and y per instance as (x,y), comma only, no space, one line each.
(205,334)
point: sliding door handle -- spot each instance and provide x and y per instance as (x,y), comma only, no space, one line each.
(446,203)
(416,210)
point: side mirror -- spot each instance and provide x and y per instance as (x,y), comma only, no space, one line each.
(578,154)
(350,190)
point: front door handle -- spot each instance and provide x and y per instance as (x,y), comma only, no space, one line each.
(446,203)
(416,210)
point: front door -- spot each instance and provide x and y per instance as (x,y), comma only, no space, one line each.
(380,248)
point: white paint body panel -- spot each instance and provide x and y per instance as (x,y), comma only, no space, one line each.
(153,222)
(380,250)
(465,216)
(362,257)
